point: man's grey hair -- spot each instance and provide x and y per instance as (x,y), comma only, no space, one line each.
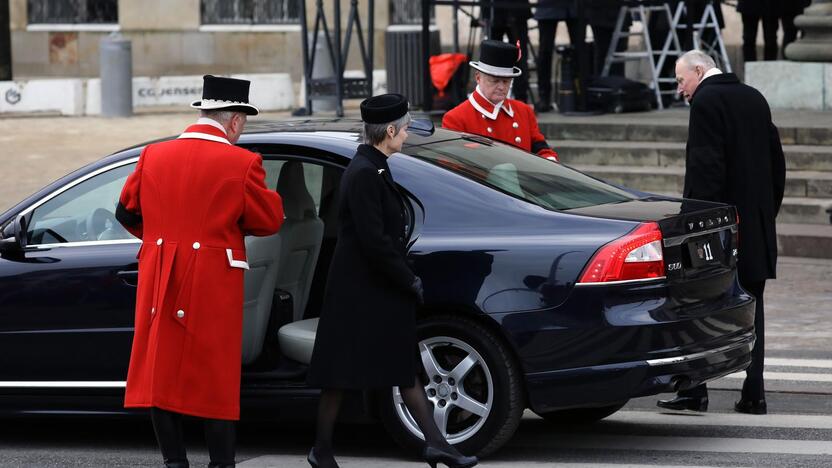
(376,133)
(221,116)
(697,58)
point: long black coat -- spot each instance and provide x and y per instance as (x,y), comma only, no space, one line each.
(366,336)
(734,156)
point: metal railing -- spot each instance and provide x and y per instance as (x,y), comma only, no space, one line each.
(72,11)
(250,11)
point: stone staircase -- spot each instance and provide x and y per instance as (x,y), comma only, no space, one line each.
(647,152)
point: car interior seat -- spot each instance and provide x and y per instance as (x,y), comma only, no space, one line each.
(258,291)
(301,236)
(297,339)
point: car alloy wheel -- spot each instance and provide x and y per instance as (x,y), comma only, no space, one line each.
(472,381)
(459,385)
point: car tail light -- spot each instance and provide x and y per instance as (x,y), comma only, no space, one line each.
(637,255)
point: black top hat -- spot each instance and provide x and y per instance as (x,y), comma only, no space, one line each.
(383,109)
(497,58)
(220,93)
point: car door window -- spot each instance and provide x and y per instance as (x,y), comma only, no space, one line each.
(82,213)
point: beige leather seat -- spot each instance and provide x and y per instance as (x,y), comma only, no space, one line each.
(297,339)
(301,236)
(258,292)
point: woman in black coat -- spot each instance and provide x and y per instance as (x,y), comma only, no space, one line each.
(366,335)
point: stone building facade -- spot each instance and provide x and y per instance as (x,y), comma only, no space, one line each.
(60,38)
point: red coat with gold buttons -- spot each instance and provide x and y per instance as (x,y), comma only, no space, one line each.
(510,121)
(191,200)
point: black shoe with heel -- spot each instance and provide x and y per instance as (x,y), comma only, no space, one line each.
(453,458)
(322,462)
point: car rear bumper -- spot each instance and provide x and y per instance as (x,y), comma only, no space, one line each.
(612,383)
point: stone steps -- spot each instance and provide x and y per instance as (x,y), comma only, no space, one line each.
(811,184)
(671,154)
(804,240)
(671,129)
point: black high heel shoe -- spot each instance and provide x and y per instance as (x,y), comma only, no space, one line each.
(434,455)
(312,458)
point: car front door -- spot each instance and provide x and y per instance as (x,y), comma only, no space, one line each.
(67,299)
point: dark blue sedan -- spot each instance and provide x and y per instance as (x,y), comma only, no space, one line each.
(544,288)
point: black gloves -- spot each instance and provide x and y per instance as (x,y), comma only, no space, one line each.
(417,290)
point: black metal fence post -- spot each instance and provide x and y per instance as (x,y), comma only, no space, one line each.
(5,42)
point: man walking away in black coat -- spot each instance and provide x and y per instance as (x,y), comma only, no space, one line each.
(734,156)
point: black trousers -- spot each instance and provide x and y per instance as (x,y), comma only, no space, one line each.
(753,388)
(219,435)
(750,24)
(603,38)
(547,30)
(516,30)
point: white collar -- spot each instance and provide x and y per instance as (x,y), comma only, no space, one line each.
(489,114)
(211,122)
(712,72)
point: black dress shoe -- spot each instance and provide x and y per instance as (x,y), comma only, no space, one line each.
(751,406)
(453,458)
(685,403)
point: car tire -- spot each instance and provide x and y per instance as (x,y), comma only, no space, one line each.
(493,380)
(577,416)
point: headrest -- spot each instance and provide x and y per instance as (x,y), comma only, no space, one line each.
(291,185)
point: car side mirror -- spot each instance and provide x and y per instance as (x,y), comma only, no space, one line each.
(14,236)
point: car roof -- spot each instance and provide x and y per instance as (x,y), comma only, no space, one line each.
(348,129)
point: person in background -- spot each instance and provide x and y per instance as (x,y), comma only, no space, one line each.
(490,113)
(753,12)
(192,200)
(366,336)
(513,23)
(548,14)
(734,156)
(603,15)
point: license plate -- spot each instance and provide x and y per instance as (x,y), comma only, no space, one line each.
(705,251)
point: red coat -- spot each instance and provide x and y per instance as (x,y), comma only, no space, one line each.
(511,122)
(191,201)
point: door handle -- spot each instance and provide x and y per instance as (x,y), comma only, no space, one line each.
(129,277)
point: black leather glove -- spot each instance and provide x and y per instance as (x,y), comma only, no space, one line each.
(417,290)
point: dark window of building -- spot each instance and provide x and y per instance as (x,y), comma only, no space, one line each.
(72,11)
(251,11)
(408,12)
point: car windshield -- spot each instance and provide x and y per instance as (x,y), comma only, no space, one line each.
(520,174)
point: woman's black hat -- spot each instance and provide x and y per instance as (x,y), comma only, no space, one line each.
(497,58)
(383,109)
(229,94)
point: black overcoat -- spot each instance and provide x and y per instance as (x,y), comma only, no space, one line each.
(366,335)
(734,156)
